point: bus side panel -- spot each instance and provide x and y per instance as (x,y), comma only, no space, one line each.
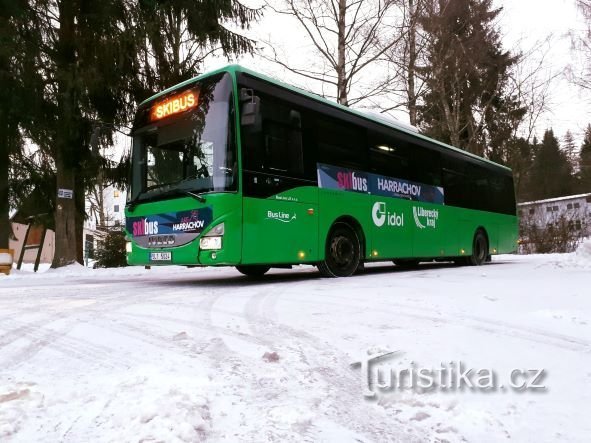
(508,235)
(391,230)
(434,230)
(282,228)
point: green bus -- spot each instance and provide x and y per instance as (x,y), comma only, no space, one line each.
(233,168)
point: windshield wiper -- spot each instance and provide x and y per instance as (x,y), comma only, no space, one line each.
(197,197)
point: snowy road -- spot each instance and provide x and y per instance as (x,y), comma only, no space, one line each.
(205,354)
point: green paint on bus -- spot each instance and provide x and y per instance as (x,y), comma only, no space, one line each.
(260,174)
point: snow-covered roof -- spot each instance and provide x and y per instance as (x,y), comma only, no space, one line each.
(555,199)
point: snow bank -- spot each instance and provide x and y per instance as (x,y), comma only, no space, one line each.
(159,409)
(582,256)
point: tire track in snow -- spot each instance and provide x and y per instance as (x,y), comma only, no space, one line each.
(469,321)
(342,398)
(41,335)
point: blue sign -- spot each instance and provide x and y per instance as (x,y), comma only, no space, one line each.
(334,177)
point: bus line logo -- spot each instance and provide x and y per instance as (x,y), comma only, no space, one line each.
(427,216)
(281,216)
(380,216)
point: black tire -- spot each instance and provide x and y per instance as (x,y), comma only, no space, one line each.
(479,249)
(407,263)
(343,252)
(255,271)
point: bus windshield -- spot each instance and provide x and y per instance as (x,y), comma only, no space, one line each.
(185,143)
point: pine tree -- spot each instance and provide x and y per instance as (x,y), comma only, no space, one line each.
(551,174)
(174,38)
(569,147)
(17,98)
(86,72)
(585,162)
(466,75)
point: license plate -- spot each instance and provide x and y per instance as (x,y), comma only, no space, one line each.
(160,256)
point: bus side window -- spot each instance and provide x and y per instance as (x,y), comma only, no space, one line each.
(502,196)
(277,147)
(340,143)
(478,191)
(455,183)
(282,129)
(426,166)
(389,156)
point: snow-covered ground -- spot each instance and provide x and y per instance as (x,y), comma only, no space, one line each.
(175,354)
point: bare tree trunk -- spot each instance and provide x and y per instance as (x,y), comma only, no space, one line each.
(341,57)
(348,38)
(79,203)
(65,216)
(66,229)
(412,60)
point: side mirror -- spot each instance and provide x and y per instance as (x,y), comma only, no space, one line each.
(250,112)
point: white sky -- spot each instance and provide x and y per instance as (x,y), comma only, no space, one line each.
(524,23)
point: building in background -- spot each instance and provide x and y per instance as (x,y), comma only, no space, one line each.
(106,209)
(554,224)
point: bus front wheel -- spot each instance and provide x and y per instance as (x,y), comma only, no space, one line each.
(253,270)
(343,252)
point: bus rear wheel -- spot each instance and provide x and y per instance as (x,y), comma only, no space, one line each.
(254,271)
(343,252)
(479,249)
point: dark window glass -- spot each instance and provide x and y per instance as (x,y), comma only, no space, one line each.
(455,182)
(482,196)
(340,143)
(389,156)
(532,211)
(276,147)
(477,187)
(577,205)
(426,166)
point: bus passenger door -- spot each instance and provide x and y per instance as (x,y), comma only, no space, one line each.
(281,224)
(280,204)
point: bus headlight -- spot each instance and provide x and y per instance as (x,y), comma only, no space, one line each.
(213,239)
(207,243)
(128,247)
(216,231)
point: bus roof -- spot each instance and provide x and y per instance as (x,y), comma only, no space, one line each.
(234,68)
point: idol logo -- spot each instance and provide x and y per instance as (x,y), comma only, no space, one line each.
(348,180)
(144,227)
(381,216)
